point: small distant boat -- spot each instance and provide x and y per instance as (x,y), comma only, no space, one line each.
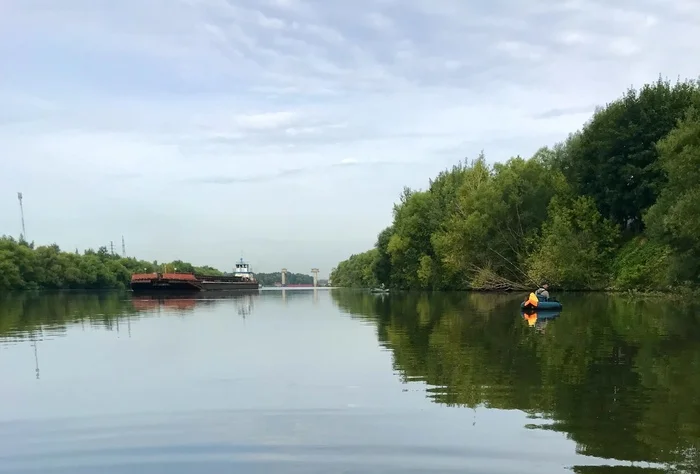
(379,290)
(542,305)
(533,303)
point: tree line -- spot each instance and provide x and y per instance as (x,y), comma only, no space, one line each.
(614,206)
(25,267)
(269,279)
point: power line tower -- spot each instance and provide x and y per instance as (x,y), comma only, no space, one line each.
(123,247)
(21,212)
(111,247)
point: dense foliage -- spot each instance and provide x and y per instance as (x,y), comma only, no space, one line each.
(270,279)
(617,205)
(24,266)
(356,271)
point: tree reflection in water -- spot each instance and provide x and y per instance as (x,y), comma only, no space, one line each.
(618,375)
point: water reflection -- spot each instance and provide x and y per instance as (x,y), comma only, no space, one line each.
(36,316)
(294,381)
(47,315)
(188,302)
(40,315)
(619,376)
(539,319)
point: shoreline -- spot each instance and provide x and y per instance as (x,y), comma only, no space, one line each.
(679,292)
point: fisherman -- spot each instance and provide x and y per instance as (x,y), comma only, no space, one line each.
(542,293)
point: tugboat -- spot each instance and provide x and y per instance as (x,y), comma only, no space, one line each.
(241,279)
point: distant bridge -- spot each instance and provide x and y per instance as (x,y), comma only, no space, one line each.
(300,285)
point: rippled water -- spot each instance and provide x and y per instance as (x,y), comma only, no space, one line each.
(346,382)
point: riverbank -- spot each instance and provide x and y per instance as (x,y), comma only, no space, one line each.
(26,267)
(561,215)
(675,294)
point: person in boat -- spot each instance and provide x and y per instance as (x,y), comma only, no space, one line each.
(542,292)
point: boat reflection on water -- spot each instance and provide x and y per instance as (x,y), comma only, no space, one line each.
(539,319)
(187,302)
(146,303)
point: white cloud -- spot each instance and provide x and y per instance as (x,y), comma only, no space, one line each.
(219,115)
(521,50)
(265,121)
(574,37)
(270,22)
(624,46)
(380,22)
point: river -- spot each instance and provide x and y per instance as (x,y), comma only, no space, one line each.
(340,381)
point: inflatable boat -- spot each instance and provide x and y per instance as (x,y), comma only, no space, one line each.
(533,303)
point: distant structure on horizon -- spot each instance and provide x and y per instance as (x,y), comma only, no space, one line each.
(23,236)
(291,280)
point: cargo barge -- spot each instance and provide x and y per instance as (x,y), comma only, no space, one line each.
(242,279)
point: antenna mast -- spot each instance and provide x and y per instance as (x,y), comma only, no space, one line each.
(123,247)
(21,211)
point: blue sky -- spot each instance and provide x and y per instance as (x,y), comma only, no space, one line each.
(285,129)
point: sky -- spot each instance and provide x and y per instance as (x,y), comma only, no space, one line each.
(283,131)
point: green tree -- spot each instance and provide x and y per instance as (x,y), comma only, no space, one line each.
(497,219)
(180,267)
(381,267)
(208,271)
(292,278)
(643,264)
(24,267)
(615,159)
(356,271)
(577,246)
(675,218)
(415,218)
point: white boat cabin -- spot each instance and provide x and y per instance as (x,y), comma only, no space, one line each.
(243,270)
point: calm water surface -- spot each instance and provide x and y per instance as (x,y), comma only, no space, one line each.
(346,382)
